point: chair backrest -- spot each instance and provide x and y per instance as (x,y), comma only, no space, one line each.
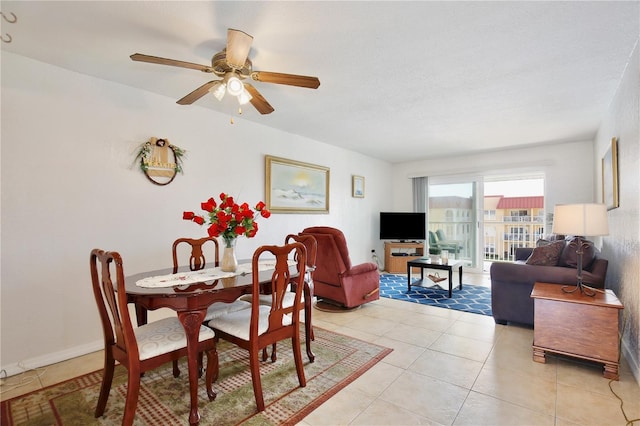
(310,244)
(197,259)
(332,256)
(432,239)
(111,299)
(440,235)
(280,280)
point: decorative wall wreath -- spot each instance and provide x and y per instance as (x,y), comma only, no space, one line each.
(160,161)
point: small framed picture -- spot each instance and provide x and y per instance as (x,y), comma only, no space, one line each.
(357,186)
(610,176)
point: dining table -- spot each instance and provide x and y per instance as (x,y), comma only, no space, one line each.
(190,293)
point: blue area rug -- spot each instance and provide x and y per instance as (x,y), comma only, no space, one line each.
(472,298)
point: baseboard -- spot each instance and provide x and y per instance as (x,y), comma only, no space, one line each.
(52,358)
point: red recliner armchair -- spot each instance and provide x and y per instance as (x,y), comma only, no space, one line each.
(335,279)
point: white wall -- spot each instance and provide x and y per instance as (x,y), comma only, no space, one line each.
(569,177)
(68,186)
(622,246)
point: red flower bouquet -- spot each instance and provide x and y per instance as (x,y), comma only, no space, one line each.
(229,219)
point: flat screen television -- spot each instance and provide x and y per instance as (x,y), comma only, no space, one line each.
(403,226)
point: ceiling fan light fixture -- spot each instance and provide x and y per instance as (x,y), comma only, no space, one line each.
(244,97)
(234,84)
(232,66)
(218,90)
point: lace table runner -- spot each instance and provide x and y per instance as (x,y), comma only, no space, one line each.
(210,274)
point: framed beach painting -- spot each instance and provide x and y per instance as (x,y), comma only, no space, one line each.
(296,187)
(610,176)
(357,186)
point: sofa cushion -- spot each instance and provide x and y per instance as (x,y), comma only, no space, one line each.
(546,254)
(546,241)
(569,257)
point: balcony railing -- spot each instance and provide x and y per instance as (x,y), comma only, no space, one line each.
(516,237)
(502,247)
(535,219)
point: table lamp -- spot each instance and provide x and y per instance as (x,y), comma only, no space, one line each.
(580,220)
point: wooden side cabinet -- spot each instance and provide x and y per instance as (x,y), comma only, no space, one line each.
(577,325)
(398,264)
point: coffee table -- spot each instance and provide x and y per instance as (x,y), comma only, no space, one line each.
(426,264)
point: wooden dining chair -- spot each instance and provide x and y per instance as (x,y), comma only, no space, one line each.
(196,246)
(137,349)
(198,261)
(263,325)
(311,245)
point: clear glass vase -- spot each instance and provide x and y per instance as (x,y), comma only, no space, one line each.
(229,261)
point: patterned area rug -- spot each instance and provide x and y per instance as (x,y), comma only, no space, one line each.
(472,298)
(164,400)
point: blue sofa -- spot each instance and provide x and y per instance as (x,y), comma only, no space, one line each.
(512,283)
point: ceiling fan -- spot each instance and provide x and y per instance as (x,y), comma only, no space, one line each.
(233,65)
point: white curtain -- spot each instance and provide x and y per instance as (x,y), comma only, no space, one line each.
(420,190)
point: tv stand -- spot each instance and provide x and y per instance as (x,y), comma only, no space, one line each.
(395,264)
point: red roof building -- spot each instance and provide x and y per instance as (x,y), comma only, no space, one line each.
(536,202)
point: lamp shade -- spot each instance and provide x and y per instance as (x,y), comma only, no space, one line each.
(580,220)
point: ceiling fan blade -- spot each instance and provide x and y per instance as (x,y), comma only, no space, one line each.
(258,101)
(164,61)
(196,94)
(238,46)
(288,79)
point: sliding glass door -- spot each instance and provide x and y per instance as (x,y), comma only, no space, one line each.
(480,219)
(453,219)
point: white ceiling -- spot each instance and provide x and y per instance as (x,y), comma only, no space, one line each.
(399,80)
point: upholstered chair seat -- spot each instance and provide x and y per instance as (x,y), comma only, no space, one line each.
(165,335)
(235,323)
(220,308)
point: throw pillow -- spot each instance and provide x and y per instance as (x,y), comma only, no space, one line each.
(546,255)
(569,257)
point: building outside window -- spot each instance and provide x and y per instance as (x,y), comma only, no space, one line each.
(512,222)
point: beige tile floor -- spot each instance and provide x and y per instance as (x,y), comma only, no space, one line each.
(447,368)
